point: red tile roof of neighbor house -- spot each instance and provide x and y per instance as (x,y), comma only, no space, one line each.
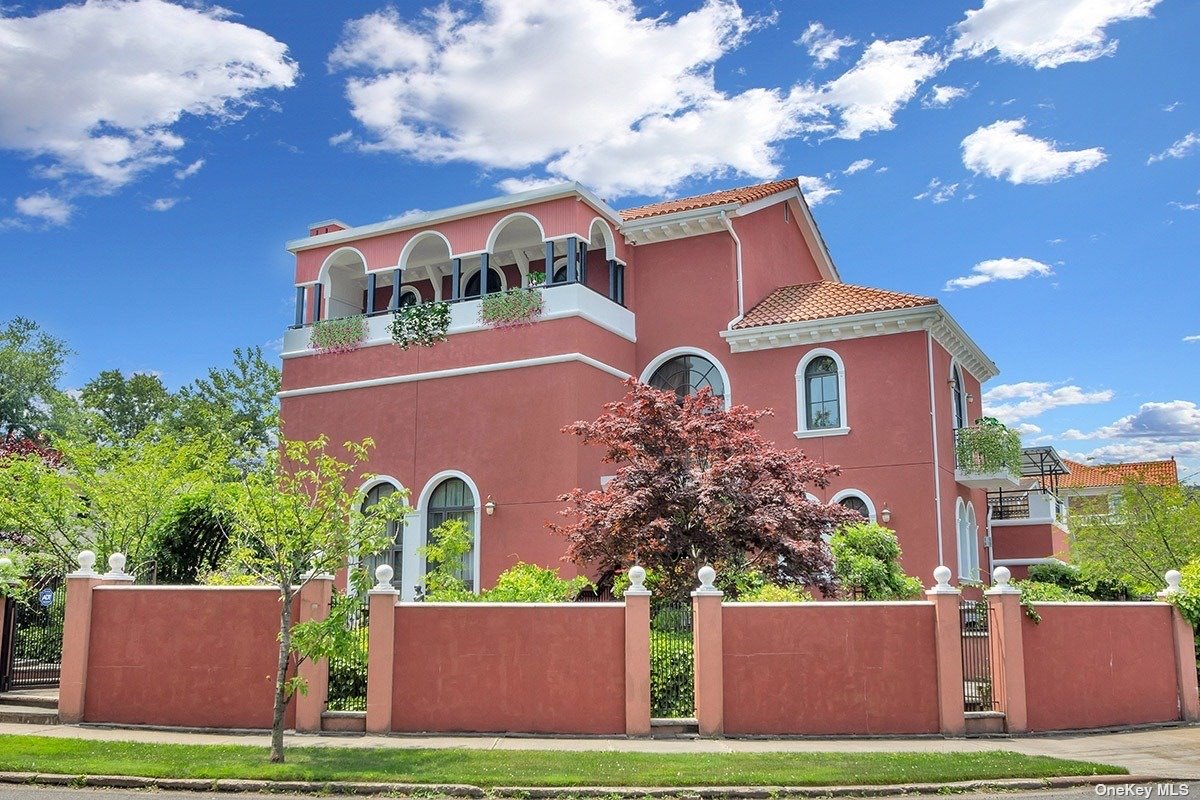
(1084,476)
(825,299)
(744,194)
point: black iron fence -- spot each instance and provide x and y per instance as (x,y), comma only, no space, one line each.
(33,630)
(975,619)
(672,668)
(348,673)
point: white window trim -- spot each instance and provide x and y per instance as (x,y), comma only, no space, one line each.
(409,289)
(860,494)
(966,529)
(956,391)
(418,560)
(664,357)
(407,523)
(802,430)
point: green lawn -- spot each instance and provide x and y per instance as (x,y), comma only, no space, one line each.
(487,768)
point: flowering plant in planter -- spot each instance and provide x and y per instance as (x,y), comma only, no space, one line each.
(339,335)
(512,308)
(423,325)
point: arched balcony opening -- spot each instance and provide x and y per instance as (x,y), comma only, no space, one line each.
(343,281)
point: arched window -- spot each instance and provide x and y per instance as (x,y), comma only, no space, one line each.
(958,398)
(687,374)
(856,500)
(409,297)
(855,503)
(495,284)
(821,395)
(968,541)
(453,499)
(393,554)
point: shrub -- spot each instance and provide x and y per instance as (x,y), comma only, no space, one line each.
(339,335)
(988,446)
(512,308)
(423,325)
(529,583)
(1084,582)
(866,559)
(770,593)
(1038,592)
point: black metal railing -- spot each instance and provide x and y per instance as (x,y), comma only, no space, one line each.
(672,668)
(1009,505)
(33,634)
(348,672)
(975,619)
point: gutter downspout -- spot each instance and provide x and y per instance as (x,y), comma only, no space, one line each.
(727,223)
(990,544)
(937,472)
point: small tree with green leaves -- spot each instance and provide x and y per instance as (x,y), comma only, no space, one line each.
(866,559)
(448,544)
(294,519)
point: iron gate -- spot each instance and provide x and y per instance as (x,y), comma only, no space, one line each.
(975,618)
(672,666)
(348,672)
(33,632)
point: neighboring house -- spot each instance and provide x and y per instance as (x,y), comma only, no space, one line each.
(732,290)
(1031,525)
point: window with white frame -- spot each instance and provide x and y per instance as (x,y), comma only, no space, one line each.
(452,499)
(855,500)
(393,554)
(968,541)
(820,394)
(958,398)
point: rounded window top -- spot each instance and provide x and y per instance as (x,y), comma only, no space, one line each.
(856,503)
(821,365)
(687,374)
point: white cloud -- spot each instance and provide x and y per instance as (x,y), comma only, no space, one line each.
(1014,403)
(1179,149)
(822,44)
(858,166)
(815,189)
(1156,430)
(999,269)
(635,109)
(1172,106)
(1046,33)
(1000,150)
(1028,429)
(190,170)
(943,96)
(937,191)
(1195,338)
(94,90)
(164,203)
(45,208)
(1184,206)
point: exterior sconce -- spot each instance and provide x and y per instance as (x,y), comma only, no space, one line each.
(489,507)
(953,384)
(970,398)
(885,514)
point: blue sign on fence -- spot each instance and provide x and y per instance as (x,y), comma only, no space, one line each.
(46,597)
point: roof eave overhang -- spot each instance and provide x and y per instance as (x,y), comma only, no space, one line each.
(431,218)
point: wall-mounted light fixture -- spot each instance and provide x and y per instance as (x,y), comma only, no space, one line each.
(886,513)
(953,384)
(489,507)
(970,397)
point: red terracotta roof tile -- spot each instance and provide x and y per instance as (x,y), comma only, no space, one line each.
(825,299)
(744,194)
(1155,473)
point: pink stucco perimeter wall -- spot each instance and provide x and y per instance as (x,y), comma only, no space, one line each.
(1099,665)
(490,668)
(189,656)
(830,668)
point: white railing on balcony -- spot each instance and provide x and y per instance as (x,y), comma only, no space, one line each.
(558,302)
(1028,506)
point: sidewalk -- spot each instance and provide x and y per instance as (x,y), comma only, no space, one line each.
(1163,752)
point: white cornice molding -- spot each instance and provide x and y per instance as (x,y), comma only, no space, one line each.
(933,318)
(458,212)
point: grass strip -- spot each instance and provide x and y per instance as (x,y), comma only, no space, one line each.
(488,768)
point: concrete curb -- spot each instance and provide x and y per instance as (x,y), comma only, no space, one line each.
(561,793)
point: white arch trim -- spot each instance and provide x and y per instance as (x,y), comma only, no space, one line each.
(499,226)
(323,274)
(411,244)
(610,242)
(408,288)
(664,357)
(422,518)
(802,429)
(409,520)
(956,373)
(861,495)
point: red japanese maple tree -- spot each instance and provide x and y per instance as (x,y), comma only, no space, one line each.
(697,484)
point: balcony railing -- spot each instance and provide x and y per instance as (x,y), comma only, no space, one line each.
(987,448)
(1030,504)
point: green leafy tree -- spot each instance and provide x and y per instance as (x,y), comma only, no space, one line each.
(1153,529)
(448,544)
(31,365)
(239,403)
(191,539)
(293,519)
(529,583)
(866,559)
(126,406)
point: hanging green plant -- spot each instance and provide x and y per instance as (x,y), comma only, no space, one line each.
(423,325)
(339,335)
(512,308)
(987,447)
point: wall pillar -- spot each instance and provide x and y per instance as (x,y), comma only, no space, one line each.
(1008,650)
(485,268)
(381,650)
(315,597)
(300,292)
(708,646)
(948,641)
(1185,654)
(572,259)
(637,655)
(372,283)
(549,264)
(77,631)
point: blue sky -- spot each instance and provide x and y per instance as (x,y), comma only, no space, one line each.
(1034,164)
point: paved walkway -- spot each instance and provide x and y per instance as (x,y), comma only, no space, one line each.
(1163,752)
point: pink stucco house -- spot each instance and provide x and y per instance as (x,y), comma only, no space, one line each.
(734,290)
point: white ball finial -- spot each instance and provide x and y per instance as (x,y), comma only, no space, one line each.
(116,563)
(1174,577)
(637,578)
(707,575)
(87,560)
(383,576)
(942,576)
(1001,576)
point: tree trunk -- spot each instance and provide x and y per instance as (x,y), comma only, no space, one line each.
(285,646)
